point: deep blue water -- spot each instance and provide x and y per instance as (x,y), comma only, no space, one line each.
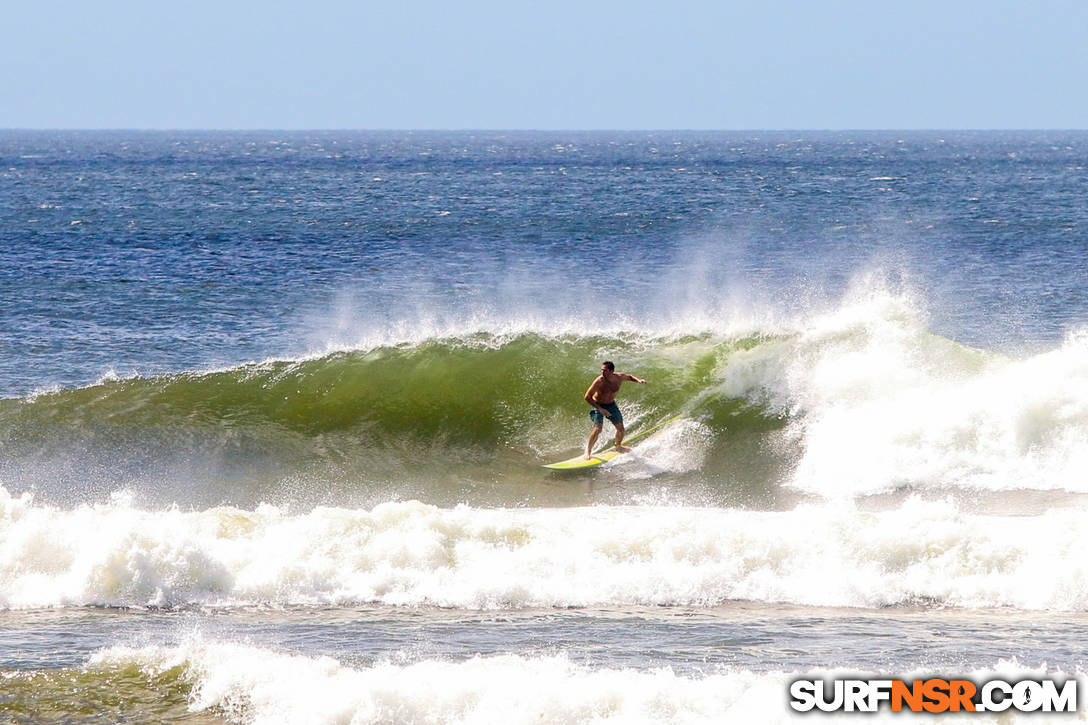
(152,251)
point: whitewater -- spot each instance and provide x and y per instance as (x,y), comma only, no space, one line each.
(275,413)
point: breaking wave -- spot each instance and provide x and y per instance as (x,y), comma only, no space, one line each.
(860,400)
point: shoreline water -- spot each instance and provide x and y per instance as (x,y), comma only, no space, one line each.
(731,661)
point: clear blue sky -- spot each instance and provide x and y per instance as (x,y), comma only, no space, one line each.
(546,64)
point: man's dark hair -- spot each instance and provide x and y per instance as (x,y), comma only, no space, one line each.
(610,365)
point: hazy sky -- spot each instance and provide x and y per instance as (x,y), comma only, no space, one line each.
(549,64)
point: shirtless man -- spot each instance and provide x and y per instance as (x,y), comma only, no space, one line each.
(602,396)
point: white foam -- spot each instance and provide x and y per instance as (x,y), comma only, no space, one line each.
(678,448)
(267,688)
(414,554)
(263,687)
(877,402)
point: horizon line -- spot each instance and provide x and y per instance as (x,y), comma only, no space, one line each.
(121,129)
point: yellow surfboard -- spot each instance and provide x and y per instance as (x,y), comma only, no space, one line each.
(606,454)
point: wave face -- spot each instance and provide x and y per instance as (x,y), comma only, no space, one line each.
(414,419)
(859,400)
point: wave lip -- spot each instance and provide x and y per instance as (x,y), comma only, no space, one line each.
(412,554)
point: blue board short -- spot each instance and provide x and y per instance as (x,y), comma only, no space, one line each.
(613,410)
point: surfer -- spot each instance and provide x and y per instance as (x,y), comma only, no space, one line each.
(602,396)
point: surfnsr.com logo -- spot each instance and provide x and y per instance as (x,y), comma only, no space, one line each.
(933,695)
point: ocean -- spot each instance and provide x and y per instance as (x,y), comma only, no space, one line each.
(274,406)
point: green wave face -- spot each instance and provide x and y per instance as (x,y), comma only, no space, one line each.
(440,408)
(104,694)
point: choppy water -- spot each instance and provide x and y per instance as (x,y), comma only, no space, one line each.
(276,405)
